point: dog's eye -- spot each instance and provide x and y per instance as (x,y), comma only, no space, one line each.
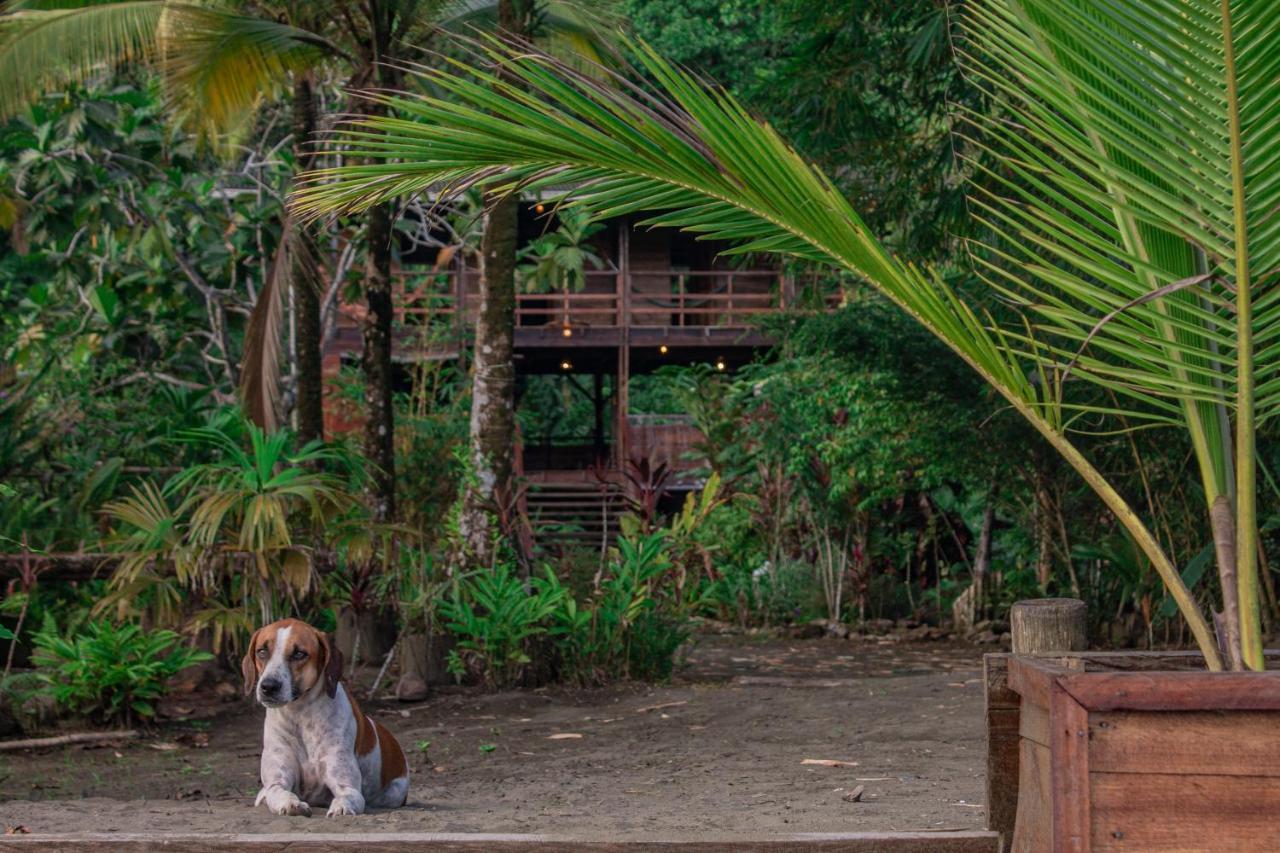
(298,654)
(262,652)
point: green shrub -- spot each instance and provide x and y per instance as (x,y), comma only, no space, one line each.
(630,625)
(626,629)
(109,673)
(494,617)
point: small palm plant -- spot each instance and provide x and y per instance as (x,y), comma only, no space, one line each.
(228,529)
(557,260)
(1135,215)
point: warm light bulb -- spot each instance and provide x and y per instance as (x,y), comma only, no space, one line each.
(539,208)
(564,365)
(663,349)
(720,364)
(567,332)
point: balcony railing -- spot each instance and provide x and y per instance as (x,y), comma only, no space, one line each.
(640,298)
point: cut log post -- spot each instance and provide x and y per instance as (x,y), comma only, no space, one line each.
(1048,625)
(1039,626)
(414,648)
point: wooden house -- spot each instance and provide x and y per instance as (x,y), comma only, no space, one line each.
(659,297)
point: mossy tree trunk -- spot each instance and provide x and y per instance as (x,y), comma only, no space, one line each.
(492,435)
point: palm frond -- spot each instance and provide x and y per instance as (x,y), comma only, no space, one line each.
(294,264)
(217,67)
(46,45)
(692,159)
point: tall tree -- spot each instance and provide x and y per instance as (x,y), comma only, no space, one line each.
(493,394)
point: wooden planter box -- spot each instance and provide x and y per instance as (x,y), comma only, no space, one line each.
(1132,751)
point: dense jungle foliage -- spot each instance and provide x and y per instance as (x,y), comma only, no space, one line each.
(855,473)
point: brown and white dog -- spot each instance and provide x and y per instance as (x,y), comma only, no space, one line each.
(318,748)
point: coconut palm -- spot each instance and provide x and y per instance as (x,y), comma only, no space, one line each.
(1136,146)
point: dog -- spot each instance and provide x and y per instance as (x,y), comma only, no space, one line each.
(318,748)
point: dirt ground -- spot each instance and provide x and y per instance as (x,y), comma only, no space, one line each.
(719,750)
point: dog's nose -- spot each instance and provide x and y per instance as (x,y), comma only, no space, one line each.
(270,685)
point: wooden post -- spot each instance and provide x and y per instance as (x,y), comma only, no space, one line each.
(621,394)
(1039,626)
(1044,625)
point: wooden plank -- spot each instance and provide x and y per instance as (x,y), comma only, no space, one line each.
(1033,724)
(1002,769)
(1109,662)
(1069,746)
(1173,691)
(1034,827)
(995,671)
(1033,679)
(1146,812)
(407,842)
(1187,742)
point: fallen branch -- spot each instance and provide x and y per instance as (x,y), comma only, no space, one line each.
(60,740)
(649,708)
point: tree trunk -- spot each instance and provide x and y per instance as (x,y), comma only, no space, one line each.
(379,428)
(982,559)
(1227,623)
(493,382)
(309,410)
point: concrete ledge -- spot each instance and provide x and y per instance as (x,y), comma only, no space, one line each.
(406,842)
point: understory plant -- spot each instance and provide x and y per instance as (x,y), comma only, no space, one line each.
(495,618)
(112,674)
(631,623)
(231,542)
(1131,254)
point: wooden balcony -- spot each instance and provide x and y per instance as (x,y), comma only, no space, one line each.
(638,308)
(649,298)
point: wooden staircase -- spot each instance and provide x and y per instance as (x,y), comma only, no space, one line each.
(574,514)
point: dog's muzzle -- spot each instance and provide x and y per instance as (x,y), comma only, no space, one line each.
(272,692)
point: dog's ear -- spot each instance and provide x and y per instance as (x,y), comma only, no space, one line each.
(248,667)
(332,665)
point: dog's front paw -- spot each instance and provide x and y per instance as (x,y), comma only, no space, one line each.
(292,806)
(346,805)
(281,800)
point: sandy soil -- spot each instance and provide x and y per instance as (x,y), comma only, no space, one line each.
(719,750)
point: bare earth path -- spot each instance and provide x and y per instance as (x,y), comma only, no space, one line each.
(718,751)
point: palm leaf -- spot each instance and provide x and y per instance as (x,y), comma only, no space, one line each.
(1155,122)
(218,67)
(47,45)
(692,159)
(294,263)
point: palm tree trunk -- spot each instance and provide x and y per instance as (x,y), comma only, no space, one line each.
(493,382)
(379,428)
(309,411)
